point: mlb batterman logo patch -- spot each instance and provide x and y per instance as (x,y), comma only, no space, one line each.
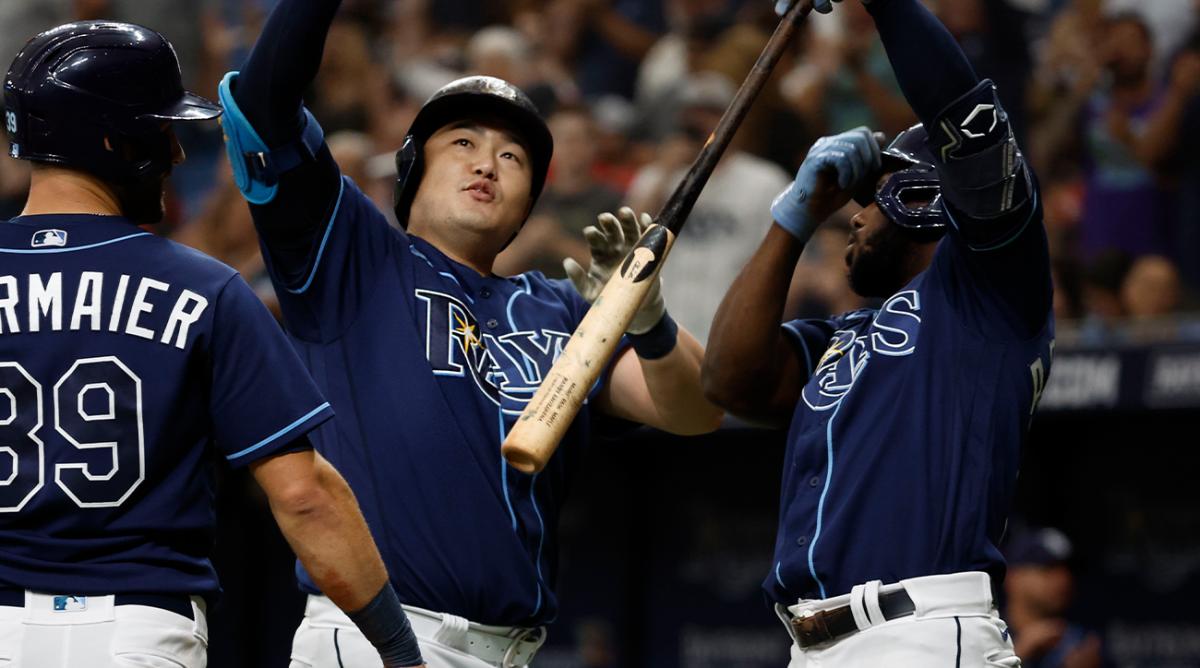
(70,603)
(49,238)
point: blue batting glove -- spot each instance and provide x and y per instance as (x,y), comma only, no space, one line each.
(822,6)
(850,157)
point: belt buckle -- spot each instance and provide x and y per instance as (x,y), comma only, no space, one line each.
(534,634)
(811,629)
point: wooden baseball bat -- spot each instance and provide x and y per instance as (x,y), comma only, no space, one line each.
(536,434)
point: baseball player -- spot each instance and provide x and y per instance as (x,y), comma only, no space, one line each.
(427,355)
(907,420)
(128,363)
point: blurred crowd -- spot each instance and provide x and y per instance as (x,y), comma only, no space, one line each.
(1104,96)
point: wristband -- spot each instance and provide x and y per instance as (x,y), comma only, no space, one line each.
(790,211)
(658,341)
(384,624)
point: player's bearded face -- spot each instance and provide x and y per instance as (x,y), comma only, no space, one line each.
(142,200)
(476,180)
(877,254)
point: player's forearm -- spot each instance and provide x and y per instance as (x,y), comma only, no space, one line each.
(282,64)
(931,68)
(742,361)
(673,384)
(327,532)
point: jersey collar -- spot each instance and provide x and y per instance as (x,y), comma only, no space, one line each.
(56,233)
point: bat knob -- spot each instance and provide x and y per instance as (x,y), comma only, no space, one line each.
(521,459)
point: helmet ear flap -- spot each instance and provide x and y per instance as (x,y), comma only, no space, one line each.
(408,171)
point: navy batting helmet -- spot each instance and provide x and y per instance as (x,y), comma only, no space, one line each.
(95,96)
(472,97)
(911,195)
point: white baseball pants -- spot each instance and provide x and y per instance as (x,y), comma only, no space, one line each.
(955,625)
(92,632)
(326,638)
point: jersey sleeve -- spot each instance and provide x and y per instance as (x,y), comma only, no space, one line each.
(322,283)
(1004,291)
(262,397)
(809,339)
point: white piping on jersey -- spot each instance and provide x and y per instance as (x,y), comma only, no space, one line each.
(36,251)
(812,546)
(324,240)
(512,324)
(440,273)
(533,481)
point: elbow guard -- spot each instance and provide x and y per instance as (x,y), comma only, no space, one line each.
(982,172)
(256,167)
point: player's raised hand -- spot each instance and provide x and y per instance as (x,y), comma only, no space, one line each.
(610,240)
(831,172)
(822,6)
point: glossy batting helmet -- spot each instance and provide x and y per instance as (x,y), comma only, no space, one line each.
(911,195)
(472,97)
(96,96)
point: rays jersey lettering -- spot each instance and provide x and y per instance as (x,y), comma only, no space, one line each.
(892,333)
(507,368)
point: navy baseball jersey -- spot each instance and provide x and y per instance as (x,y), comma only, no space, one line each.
(128,363)
(428,365)
(903,450)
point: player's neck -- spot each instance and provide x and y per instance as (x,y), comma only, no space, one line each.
(918,261)
(55,190)
(473,255)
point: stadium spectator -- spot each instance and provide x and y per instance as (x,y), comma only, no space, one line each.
(572,200)
(618,156)
(721,230)
(505,53)
(1122,133)
(21,19)
(1039,588)
(605,40)
(1151,288)
(1103,277)
(845,79)
(346,80)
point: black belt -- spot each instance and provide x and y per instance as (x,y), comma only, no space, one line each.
(180,604)
(828,625)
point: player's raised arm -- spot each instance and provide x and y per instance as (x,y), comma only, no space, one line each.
(753,367)
(983,176)
(276,148)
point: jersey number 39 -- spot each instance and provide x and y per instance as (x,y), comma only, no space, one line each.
(97,409)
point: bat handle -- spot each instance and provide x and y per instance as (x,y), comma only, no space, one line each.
(536,434)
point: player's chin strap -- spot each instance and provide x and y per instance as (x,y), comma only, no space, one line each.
(256,167)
